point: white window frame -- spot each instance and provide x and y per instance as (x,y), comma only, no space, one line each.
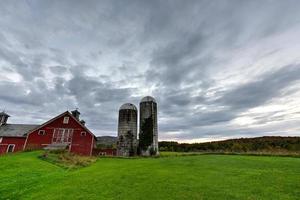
(13,149)
(66,120)
(83,133)
(62,134)
(42,132)
(1,138)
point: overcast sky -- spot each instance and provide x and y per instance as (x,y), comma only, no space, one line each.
(218,69)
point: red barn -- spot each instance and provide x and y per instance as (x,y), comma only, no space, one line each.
(64,131)
(12,136)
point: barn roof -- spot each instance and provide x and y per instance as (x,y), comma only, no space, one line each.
(16,130)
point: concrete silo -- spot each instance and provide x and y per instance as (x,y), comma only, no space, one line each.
(148,135)
(127,130)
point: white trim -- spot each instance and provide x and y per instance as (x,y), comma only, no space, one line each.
(66,120)
(25,143)
(84,127)
(55,118)
(62,133)
(48,122)
(91,153)
(1,138)
(42,132)
(42,125)
(12,149)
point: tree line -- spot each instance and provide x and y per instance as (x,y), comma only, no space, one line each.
(259,144)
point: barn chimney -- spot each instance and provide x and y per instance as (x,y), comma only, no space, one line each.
(76,114)
(82,122)
(3,118)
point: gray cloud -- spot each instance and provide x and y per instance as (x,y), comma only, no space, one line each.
(263,89)
(208,63)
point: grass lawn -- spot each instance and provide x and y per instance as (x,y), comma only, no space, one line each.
(25,176)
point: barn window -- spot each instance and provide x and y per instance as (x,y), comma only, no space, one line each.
(62,135)
(66,120)
(41,132)
(10,148)
(83,133)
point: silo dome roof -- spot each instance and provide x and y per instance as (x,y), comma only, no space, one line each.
(148,99)
(128,106)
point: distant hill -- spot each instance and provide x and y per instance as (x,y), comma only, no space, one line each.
(258,144)
(107,141)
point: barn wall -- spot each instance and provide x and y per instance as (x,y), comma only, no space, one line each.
(17,141)
(80,144)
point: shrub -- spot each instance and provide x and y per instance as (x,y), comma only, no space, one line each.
(67,160)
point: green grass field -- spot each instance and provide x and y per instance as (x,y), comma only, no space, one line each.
(25,176)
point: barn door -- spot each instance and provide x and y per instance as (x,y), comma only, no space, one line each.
(62,135)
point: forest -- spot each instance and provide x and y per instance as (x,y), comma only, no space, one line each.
(258,144)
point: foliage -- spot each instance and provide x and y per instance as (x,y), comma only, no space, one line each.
(210,177)
(243,145)
(146,134)
(56,151)
(152,151)
(276,154)
(66,160)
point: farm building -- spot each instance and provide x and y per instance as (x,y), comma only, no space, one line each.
(12,136)
(64,131)
(148,136)
(127,130)
(147,144)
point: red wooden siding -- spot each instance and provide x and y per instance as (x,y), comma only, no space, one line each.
(79,144)
(17,141)
(82,144)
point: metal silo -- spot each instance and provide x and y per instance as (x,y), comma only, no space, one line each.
(148,135)
(127,130)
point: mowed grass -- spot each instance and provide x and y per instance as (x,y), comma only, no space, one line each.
(25,176)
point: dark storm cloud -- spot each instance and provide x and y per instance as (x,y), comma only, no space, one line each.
(261,90)
(27,69)
(192,56)
(178,62)
(92,91)
(239,99)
